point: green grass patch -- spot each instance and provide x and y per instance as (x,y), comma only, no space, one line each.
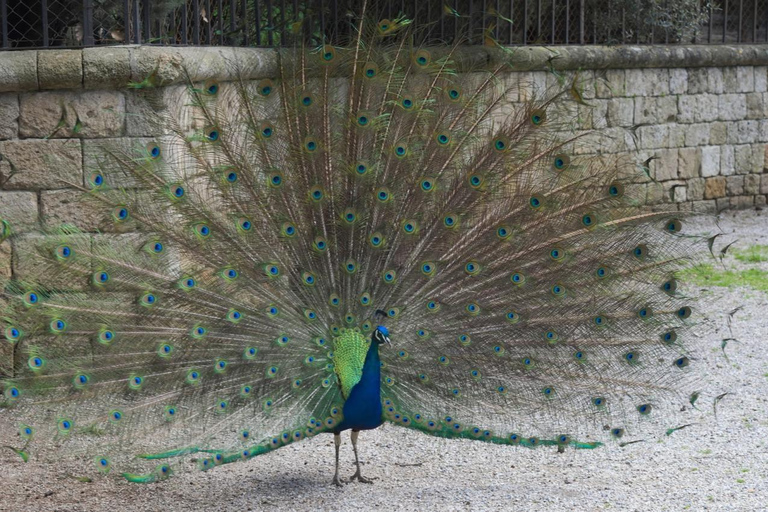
(754,254)
(707,275)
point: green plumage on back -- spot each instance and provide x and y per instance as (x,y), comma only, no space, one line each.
(230,310)
(349,349)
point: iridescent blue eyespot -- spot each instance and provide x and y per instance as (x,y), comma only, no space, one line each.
(232,177)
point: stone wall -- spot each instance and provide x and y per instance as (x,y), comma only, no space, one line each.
(701,112)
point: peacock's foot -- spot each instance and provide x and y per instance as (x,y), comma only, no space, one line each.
(357,476)
(338,482)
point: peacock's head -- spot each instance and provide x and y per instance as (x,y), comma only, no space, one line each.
(381,335)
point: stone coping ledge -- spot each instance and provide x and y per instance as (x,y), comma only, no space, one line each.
(115,66)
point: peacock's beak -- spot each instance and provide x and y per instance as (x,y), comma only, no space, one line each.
(387,340)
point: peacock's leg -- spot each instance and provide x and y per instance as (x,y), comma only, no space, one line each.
(337,442)
(357,475)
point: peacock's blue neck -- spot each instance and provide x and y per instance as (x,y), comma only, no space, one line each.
(362,409)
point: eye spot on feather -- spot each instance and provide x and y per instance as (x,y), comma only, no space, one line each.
(669,337)
(561,162)
(12,334)
(465,340)
(684,312)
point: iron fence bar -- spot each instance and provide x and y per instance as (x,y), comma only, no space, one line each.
(525,22)
(567,21)
(136,23)
(270,25)
(195,22)
(126,21)
(711,23)
(741,6)
(184,23)
(725,18)
(554,7)
(538,20)
(4,22)
(244,10)
(257,11)
(754,21)
(87,22)
(208,23)
(44,21)
(496,27)
(623,25)
(283,31)
(147,26)
(220,18)
(232,15)
(581,22)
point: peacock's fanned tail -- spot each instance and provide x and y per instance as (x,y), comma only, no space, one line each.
(528,301)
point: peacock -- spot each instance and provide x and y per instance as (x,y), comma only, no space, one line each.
(371,235)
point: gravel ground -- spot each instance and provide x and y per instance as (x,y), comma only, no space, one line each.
(720,463)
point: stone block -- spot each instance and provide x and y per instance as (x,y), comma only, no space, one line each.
(710,161)
(72,207)
(647,82)
(717,132)
(739,79)
(19,209)
(742,132)
(751,184)
(706,108)
(723,203)
(679,194)
(533,84)
(34,164)
(678,81)
(764,184)
(655,110)
(687,105)
(106,68)
(685,207)
(715,83)
(676,137)
(695,189)
(36,265)
(610,84)
(756,105)
(761,84)
(742,202)
(60,69)
(697,134)
(742,157)
(60,114)
(714,187)
(689,163)
(665,167)
(698,80)
(760,202)
(9,115)
(621,112)
(734,185)
(732,107)
(19,71)
(758,158)
(705,206)
(727,161)
(652,136)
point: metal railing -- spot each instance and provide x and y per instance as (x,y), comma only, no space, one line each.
(78,23)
